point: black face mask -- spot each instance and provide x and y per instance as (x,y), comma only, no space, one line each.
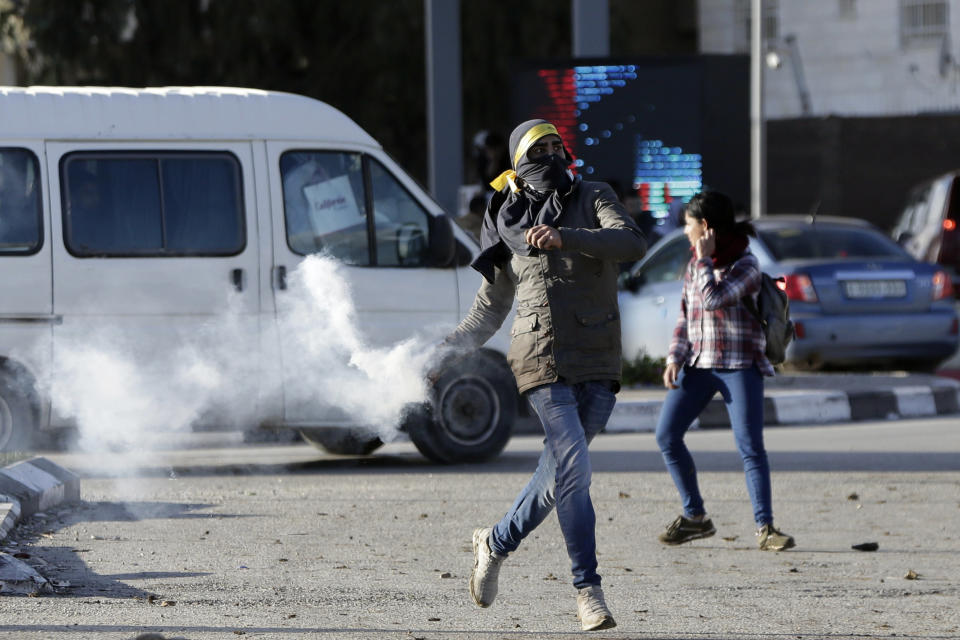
(545,174)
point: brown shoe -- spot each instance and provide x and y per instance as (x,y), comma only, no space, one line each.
(772,539)
(684,530)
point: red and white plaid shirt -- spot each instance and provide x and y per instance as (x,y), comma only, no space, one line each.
(715,330)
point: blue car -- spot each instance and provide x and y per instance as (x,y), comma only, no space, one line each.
(857,298)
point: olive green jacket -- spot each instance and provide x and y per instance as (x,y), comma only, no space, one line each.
(568,322)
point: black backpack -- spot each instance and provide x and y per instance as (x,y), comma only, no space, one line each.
(772,310)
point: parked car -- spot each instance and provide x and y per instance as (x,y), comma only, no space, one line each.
(857,298)
(927,228)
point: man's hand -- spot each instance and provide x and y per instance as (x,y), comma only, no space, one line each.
(706,244)
(432,375)
(444,355)
(543,237)
(670,375)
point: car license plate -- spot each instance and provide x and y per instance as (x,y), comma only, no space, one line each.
(875,288)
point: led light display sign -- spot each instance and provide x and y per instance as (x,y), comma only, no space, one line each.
(661,128)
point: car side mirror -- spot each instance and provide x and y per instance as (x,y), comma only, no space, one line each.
(443,245)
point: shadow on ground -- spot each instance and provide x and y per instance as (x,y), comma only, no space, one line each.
(74,578)
(525,461)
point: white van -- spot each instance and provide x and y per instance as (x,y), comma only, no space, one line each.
(138,208)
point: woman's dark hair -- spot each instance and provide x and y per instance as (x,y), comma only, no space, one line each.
(717,209)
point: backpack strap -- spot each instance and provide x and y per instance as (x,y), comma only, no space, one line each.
(751,306)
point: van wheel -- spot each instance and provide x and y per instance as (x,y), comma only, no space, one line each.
(16,417)
(342,442)
(471,412)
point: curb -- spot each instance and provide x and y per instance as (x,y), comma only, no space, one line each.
(30,486)
(804,407)
(10,512)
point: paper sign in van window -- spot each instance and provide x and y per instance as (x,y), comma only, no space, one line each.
(332,205)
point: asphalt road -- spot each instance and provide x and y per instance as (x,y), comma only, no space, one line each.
(286,542)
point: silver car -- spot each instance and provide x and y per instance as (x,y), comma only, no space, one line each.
(856,297)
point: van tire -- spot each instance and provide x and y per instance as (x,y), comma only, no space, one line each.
(17,423)
(342,442)
(471,412)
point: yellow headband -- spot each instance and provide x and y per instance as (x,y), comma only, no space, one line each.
(535,133)
(531,136)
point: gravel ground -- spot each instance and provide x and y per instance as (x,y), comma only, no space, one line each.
(283,543)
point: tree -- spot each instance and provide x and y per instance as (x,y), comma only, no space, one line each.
(364,57)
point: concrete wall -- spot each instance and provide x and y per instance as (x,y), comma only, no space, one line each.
(855,63)
(856,166)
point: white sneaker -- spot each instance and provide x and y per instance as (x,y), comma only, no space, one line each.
(486,569)
(592,610)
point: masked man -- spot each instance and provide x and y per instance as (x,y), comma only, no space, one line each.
(553,241)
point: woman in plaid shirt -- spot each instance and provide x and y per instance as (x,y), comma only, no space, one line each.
(718,346)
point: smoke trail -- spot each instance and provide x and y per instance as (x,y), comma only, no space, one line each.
(130,383)
(122,384)
(334,368)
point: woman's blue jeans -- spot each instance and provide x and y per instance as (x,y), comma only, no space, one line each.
(742,391)
(571,416)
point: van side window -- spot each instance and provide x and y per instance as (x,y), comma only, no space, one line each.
(402,225)
(21,228)
(324,204)
(152,204)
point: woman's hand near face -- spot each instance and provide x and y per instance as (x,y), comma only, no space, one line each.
(670,375)
(706,244)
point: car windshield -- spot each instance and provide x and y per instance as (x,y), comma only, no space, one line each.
(812,242)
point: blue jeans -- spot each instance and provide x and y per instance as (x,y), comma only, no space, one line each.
(571,416)
(742,391)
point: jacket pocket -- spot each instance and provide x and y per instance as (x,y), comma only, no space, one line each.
(569,264)
(524,343)
(597,330)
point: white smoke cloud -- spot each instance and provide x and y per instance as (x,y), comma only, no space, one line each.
(125,385)
(334,367)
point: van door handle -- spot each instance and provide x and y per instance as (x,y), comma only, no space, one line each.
(236,277)
(280,277)
(29,319)
(659,300)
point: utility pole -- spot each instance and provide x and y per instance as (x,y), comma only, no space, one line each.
(758,149)
(591,28)
(444,102)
